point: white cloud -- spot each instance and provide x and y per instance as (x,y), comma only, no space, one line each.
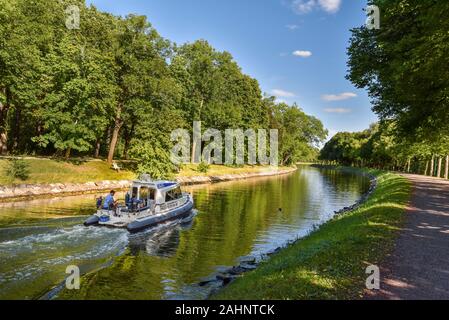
(303,6)
(282,93)
(306,6)
(339,97)
(330,6)
(302,53)
(337,110)
(292,27)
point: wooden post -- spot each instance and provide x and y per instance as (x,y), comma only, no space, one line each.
(427,168)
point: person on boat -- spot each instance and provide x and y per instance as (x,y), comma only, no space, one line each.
(128,201)
(135,202)
(109,201)
(99,202)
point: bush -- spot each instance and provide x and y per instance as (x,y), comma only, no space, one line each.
(203,167)
(153,159)
(17,169)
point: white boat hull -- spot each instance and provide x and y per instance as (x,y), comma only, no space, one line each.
(137,221)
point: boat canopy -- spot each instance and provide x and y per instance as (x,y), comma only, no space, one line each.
(157,185)
(159,191)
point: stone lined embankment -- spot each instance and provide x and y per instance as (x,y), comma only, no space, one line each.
(19,192)
(231,177)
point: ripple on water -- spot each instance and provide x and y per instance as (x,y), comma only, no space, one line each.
(27,258)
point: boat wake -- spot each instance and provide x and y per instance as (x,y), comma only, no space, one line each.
(161,240)
(30,257)
(37,256)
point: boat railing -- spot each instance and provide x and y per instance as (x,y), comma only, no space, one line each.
(174,203)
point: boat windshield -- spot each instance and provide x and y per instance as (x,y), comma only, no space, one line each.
(173,194)
(147,193)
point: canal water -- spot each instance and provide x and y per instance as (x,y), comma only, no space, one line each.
(39,239)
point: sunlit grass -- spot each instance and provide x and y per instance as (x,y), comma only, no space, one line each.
(331,263)
(191,170)
(45,171)
(52,171)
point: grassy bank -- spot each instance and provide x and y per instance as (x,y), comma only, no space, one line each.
(191,170)
(53,171)
(331,263)
(45,171)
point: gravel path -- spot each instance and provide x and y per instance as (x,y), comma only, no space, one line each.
(418,269)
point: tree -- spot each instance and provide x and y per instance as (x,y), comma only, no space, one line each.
(115,86)
(140,60)
(299,134)
(402,65)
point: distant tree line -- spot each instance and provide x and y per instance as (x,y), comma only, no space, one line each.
(380,147)
(403,66)
(115,88)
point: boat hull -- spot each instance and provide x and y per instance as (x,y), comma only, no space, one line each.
(92,221)
(152,221)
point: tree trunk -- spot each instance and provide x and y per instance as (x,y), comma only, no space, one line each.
(128,136)
(125,150)
(284,161)
(115,132)
(440,163)
(446,168)
(427,168)
(194,146)
(97,149)
(432,166)
(409,164)
(4,108)
(16,129)
(113,143)
(67,153)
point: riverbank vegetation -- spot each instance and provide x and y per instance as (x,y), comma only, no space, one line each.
(115,89)
(331,262)
(193,170)
(403,67)
(46,171)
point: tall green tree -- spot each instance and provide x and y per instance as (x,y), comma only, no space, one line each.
(299,134)
(140,62)
(403,64)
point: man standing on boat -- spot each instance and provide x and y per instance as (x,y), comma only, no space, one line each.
(109,201)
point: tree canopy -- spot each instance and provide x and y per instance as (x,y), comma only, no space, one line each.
(403,65)
(115,88)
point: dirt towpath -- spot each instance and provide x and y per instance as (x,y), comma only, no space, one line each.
(418,268)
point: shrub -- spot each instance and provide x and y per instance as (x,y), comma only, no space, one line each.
(203,167)
(17,169)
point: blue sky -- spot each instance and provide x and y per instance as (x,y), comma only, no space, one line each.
(296,49)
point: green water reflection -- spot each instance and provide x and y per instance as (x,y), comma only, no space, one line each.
(39,239)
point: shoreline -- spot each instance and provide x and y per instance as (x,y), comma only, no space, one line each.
(347,232)
(33,191)
(251,263)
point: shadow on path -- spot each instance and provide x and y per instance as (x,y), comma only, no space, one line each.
(418,268)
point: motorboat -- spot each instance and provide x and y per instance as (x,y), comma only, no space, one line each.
(148,204)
